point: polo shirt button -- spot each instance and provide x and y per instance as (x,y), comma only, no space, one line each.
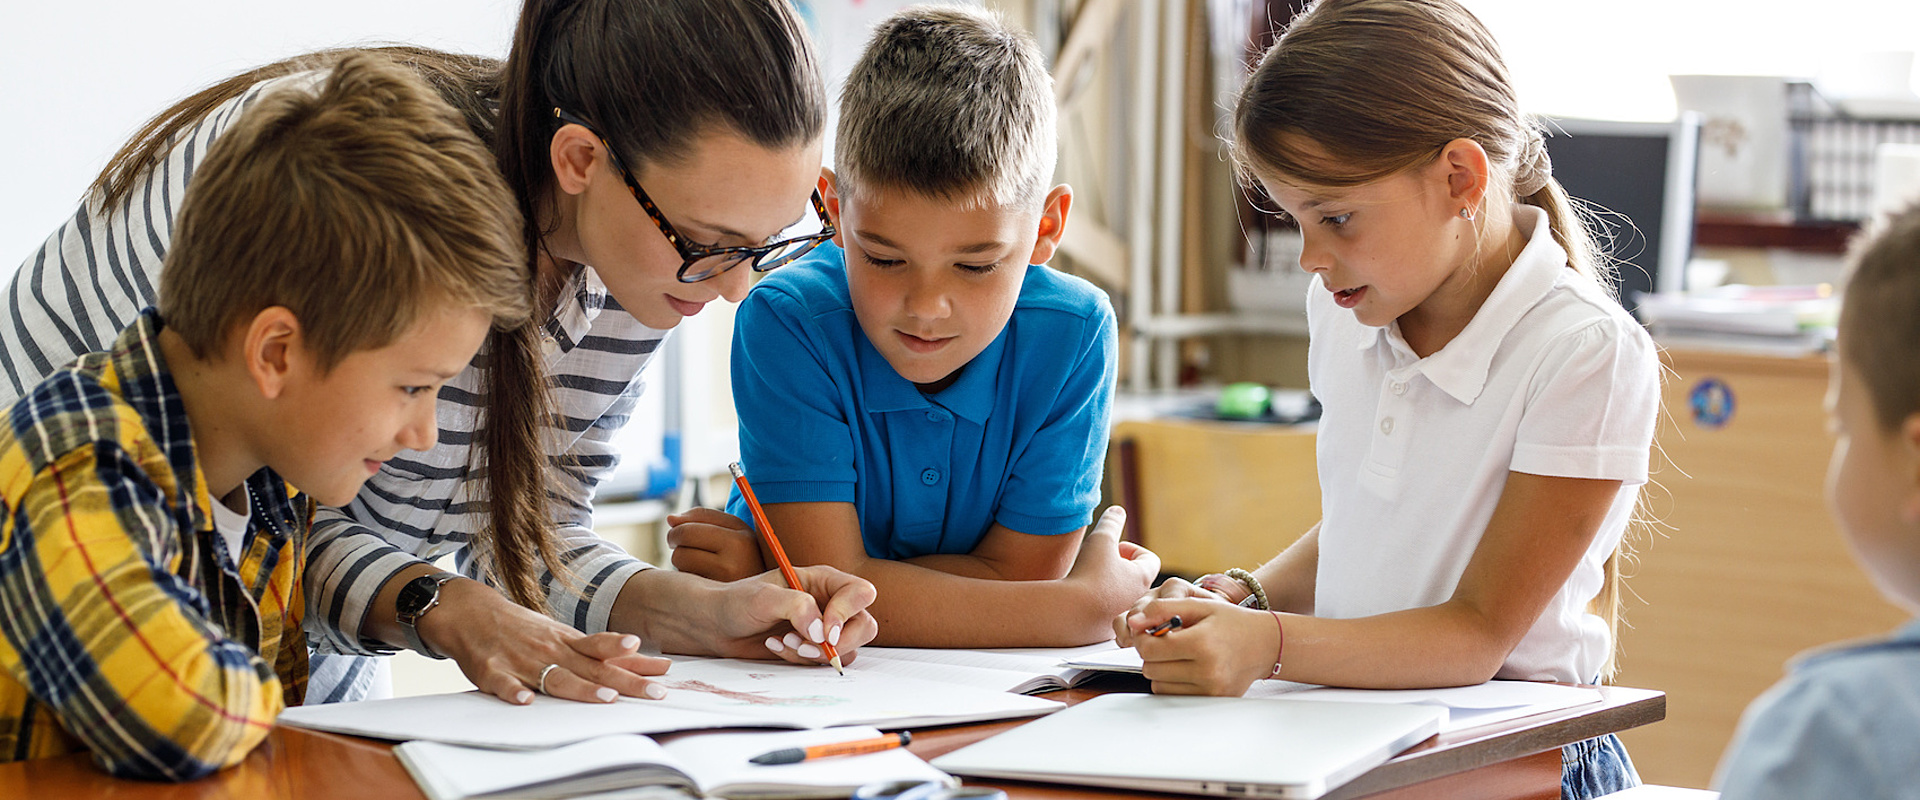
(930,477)
(935,416)
(1386,426)
(1399,389)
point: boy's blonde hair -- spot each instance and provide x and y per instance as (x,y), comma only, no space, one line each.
(949,102)
(1880,317)
(358,204)
(1381,86)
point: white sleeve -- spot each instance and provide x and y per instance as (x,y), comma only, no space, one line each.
(1591,405)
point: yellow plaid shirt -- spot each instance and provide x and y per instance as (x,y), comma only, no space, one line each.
(125,628)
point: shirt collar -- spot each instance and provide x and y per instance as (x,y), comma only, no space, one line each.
(1460,368)
(579,305)
(146,384)
(970,397)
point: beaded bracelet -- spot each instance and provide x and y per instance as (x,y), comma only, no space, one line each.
(1258,598)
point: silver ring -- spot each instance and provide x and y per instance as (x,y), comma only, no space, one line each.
(543,676)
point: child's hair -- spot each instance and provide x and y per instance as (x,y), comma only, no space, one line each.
(952,103)
(1880,317)
(651,77)
(1381,86)
(358,204)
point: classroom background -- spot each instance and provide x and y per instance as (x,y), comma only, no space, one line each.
(1734,148)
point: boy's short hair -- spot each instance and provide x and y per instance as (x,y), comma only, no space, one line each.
(1880,317)
(357,201)
(950,102)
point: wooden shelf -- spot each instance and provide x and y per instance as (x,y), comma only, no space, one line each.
(1771,231)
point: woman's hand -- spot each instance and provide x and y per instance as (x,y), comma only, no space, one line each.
(760,616)
(714,544)
(1219,649)
(503,648)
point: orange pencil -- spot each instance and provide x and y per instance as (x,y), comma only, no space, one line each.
(780,555)
(794,755)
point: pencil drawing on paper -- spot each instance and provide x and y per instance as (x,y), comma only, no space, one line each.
(754,698)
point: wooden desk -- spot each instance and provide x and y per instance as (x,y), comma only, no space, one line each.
(1518,759)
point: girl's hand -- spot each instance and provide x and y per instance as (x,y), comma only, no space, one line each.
(1219,649)
(1170,589)
(503,647)
(714,544)
(760,617)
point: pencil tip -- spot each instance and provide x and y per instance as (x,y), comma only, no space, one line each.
(836,664)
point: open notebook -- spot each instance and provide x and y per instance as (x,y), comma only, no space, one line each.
(717,693)
(1021,670)
(1226,746)
(714,765)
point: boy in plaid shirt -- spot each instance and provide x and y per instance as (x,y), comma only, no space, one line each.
(343,251)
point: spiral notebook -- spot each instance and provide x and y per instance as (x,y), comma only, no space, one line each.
(1227,746)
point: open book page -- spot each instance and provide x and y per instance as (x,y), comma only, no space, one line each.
(715,765)
(482,720)
(719,762)
(816,697)
(1024,670)
(717,693)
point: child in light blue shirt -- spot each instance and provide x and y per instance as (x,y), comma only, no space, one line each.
(1846,721)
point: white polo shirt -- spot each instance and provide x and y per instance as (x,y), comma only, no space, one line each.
(1551,377)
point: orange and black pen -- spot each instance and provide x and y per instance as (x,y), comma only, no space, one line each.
(780,555)
(1162,628)
(794,755)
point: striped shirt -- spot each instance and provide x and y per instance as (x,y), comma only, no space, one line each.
(126,629)
(98,269)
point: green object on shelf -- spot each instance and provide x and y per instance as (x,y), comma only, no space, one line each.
(1243,401)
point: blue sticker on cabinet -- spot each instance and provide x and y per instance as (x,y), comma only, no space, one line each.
(1712,403)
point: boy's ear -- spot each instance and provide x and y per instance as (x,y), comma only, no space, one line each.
(272,349)
(830,194)
(1467,172)
(1053,223)
(576,154)
(1908,437)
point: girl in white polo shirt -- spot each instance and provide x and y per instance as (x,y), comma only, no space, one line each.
(1489,407)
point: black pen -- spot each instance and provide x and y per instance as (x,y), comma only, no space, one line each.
(1162,628)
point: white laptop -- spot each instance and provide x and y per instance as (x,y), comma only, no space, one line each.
(1225,746)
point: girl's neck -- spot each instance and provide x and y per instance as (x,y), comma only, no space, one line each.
(1434,323)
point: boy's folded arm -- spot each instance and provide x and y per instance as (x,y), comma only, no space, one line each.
(922,607)
(98,626)
(1005,554)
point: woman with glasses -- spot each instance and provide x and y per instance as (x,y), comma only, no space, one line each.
(716,108)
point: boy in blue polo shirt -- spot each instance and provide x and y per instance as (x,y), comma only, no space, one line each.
(927,407)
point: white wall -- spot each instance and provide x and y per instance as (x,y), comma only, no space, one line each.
(78,77)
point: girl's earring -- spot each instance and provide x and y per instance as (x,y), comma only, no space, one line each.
(1466,214)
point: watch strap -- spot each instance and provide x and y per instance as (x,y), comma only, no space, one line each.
(409,622)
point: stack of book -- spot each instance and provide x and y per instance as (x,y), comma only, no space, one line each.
(1769,320)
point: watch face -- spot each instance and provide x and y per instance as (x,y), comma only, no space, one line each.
(417,595)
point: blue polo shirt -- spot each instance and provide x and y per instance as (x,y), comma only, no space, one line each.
(1019,438)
